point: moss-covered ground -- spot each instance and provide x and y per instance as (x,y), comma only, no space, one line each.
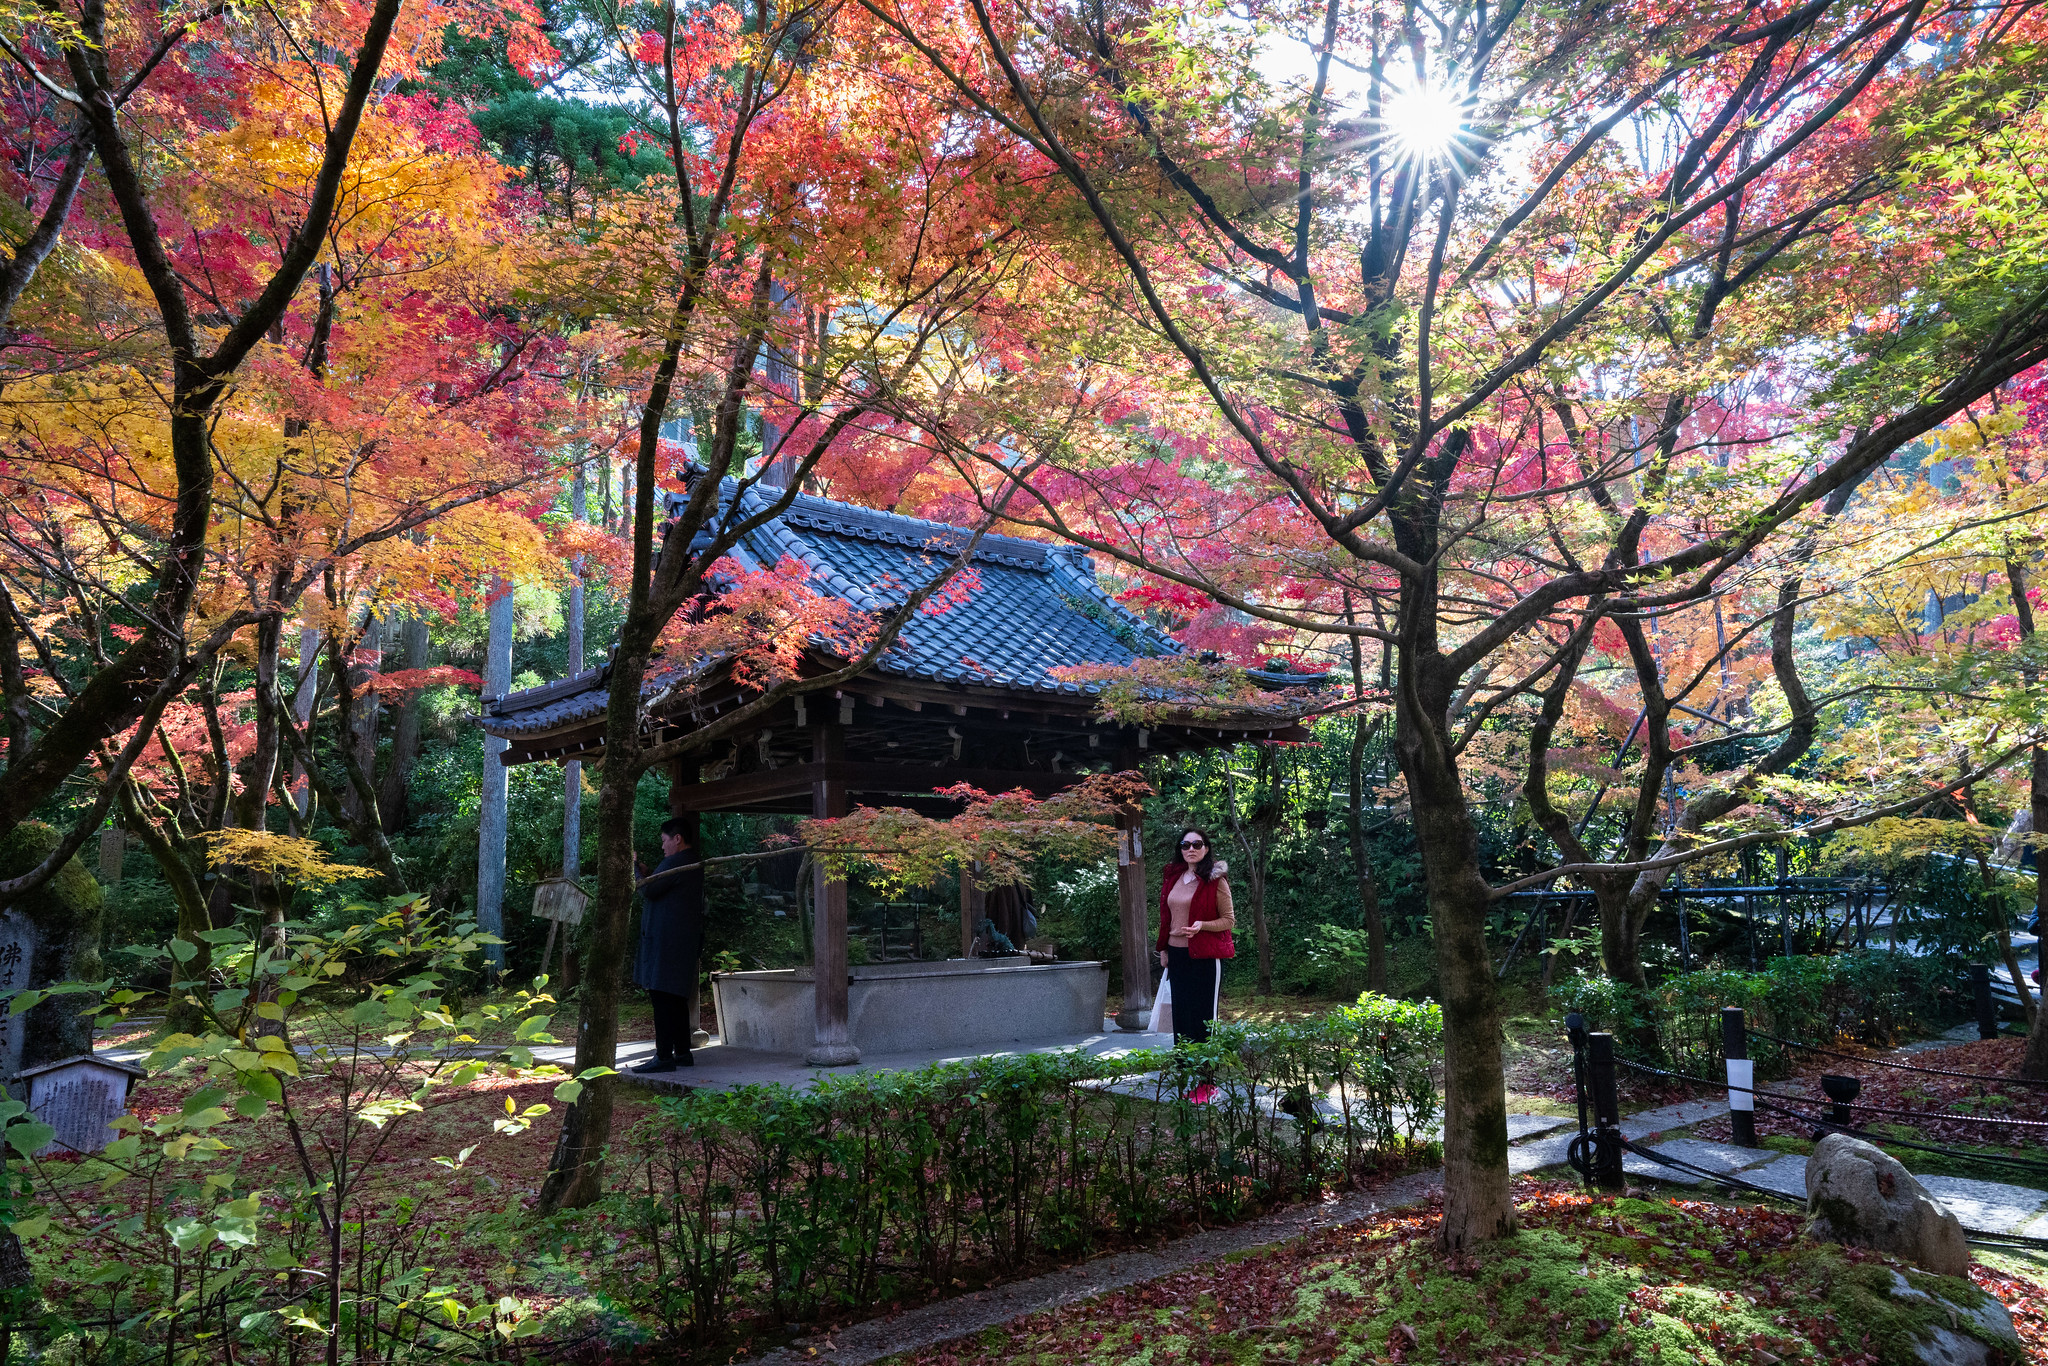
(1585,1280)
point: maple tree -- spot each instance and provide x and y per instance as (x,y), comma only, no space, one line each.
(1947,631)
(140,386)
(375,457)
(1545,323)
(800,185)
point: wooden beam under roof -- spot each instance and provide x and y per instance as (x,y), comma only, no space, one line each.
(792,781)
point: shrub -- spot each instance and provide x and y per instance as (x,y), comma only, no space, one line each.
(255,1208)
(1871,996)
(766,1203)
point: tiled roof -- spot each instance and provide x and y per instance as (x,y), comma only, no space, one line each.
(1033,608)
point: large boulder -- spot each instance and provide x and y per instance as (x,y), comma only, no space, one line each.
(1858,1196)
(1978,1330)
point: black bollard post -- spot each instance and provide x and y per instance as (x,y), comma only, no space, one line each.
(1606,1112)
(1741,1076)
(1987,1009)
(1575,1030)
(1840,1091)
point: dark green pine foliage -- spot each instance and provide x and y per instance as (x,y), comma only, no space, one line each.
(569,151)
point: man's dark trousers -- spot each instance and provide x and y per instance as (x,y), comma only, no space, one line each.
(671,937)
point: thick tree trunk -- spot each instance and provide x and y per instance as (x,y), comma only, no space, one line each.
(194,913)
(252,811)
(1477,1203)
(395,792)
(2035,1063)
(362,728)
(491,830)
(1255,885)
(575,1172)
(1369,911)
(1621,936)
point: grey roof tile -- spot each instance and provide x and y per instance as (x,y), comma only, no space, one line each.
(1033,608)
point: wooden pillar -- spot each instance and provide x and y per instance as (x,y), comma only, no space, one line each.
(973,905)
(1140,927)
(681,774)
(834,1047)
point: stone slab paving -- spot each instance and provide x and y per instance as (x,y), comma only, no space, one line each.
(1648,1123)
(1528,1126)
(1551,1148)
(1648,1170)
(1988,1206)
(1715,1157)
(1537,1154)
(1962,1033)
(1786,1176)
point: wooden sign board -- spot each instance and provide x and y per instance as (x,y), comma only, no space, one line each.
(560,899)
(80,1097)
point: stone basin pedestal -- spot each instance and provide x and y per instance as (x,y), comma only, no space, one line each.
(961,1003)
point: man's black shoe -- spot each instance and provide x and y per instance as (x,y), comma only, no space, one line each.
(655,1064)
(686,1060)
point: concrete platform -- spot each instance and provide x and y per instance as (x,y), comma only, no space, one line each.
(722,1068)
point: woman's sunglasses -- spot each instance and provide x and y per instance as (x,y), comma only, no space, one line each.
(1194,844)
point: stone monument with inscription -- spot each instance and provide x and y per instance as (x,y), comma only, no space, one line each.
(47,936)
(80,1098)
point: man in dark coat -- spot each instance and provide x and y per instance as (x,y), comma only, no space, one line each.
(671,936)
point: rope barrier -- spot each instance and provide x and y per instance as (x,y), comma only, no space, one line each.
(1867,1136)
(1898,1066)
(1719,1178)
(1981,1237)
(1943,1115)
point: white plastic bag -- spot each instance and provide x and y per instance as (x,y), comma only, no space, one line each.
(1162,1008)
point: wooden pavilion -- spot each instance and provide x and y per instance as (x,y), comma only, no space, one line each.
(968,694)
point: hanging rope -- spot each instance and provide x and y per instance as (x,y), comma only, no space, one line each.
(1942,1115)
(2024,1164)
(1898,1066)
(1981,1237)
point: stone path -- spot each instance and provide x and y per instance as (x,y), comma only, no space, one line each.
(1549,1151)
(1962,1033)
(1982,1206)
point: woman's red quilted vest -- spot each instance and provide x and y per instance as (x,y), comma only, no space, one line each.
(1204,943)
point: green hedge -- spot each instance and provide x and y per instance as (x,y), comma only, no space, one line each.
(767,1203)
(1873,996)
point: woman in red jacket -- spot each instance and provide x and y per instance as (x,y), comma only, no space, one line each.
(1195,921)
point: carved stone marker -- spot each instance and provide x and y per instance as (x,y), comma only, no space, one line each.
(47,936)
(17,961)
(80,1098)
